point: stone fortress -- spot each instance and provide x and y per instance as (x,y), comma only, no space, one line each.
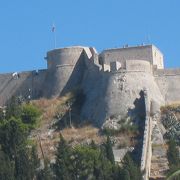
(117,83)
(111,81)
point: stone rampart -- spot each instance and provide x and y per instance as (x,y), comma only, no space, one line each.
(65,71)
(167,72)
(138,65)
(146,148)
(66,68)
(145,52)
(168,82)
(62,56)
(21,84)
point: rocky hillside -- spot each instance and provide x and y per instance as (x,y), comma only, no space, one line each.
(60,116)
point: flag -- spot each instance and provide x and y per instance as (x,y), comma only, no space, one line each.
(53,28)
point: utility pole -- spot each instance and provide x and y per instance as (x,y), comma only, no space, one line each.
(40,144)
(69,111)
(70,117)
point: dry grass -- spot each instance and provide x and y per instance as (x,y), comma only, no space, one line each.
(82,134)
(49,139)
(170,107)
(50,107)
(74,136)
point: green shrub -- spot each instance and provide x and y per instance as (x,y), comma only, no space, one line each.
(30,114)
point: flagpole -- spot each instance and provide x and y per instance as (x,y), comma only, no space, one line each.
(54,31)
(54,39)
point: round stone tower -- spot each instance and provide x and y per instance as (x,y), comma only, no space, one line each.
(64,69)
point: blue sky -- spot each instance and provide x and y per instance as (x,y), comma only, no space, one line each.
(26,36)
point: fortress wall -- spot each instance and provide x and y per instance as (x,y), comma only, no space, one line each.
(123,92)
(95,58)
(169,85)
(21,84)
(38,81)
(146,148)
(157,57)
(63,57)
(138,65)
(129,53)
(10,85)
(91,58)
(65,69)
(94,85)
(167,72)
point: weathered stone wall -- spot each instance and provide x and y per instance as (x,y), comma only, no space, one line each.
(94,86)
(62,65)
(157,58)
(147,53)
(66,68)
(138,65)
(168,81)
(146,148)
(23,84)
(124,89)
(116,94)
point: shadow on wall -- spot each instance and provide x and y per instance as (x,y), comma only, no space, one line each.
(138,116)
(98,107)
(73,108)
(138,112)
(93,83)
(76,76)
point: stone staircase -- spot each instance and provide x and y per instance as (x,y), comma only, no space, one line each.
(159,162)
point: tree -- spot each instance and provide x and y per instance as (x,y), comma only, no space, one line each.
(29,114)
(13,134)
(1,114)
(173,154)
(131,168)
(125,174)
(13,108)
(109,151)
(103,166)
(6,167)
(18,159)
(174,176)
(83,162)
(46,172)
(63,161)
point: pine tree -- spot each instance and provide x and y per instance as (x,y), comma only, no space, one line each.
(173,154)
(13,134)
(109,151)
(105,167)
(46,173)
(62,165)
(131,167)
(6,167)
(13,108)
(125,174)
